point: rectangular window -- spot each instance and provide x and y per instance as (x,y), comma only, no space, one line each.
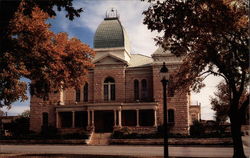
(170,116)
(85,92)
(45,119)
(106,93)
(109,89)
(136,90)
(144,90)
(112,92)
(78,95)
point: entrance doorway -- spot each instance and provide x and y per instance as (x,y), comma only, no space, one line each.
(104,121)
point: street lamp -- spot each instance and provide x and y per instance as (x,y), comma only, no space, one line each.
(164,81)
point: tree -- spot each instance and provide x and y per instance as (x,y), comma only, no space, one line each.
(221,102)
(29,49)
(26,113)
(1,113)
(213,37)
(20,126)
(197,129)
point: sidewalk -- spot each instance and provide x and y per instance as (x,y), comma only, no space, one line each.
(77,156)
(115,151)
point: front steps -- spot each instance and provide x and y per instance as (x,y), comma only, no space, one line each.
(100,139)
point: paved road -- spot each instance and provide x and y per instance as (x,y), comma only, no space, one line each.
(145,151)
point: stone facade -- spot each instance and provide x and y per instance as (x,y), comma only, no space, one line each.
(123,89)
(195,113)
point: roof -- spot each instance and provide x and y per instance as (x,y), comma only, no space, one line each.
(160,51)
(161,55)
(139,60)
(110,33)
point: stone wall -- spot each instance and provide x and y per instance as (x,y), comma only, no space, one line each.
(45,141)
(101,73)
(138,74)
(38,106)
(179,102)
(174,141)
(194,113)
(37,109)
(140,130)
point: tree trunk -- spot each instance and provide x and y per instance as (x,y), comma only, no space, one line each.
(235,120)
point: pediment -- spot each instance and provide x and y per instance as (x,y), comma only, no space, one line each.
(110,59)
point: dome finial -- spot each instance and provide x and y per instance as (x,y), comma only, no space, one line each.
(112,14)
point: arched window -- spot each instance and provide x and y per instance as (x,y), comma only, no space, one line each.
(85,92)
(136,89)
(109,89)
(78,95)
(144,89)
(45,119)
(170,116)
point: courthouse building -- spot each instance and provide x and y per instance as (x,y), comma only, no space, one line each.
(122,90)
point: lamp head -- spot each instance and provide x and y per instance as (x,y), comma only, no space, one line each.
(164,69)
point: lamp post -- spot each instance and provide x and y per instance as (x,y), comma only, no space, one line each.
(164,81)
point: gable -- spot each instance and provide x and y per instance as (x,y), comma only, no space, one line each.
(109,59)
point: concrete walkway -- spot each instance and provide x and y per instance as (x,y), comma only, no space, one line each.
(100,139)
(143,151)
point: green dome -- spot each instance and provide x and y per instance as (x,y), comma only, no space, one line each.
(110,34)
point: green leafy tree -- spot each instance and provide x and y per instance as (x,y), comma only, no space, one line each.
(30,50)
(1,113)
(20,126)
(26,113)
(221,104)
(197,129)
(213,37)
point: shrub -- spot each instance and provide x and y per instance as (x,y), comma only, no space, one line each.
(117,135)
(126,133)
(82,135)
(125,130)
(20,127)
(197,129)
(49,132)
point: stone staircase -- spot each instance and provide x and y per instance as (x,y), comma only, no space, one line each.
(100,139)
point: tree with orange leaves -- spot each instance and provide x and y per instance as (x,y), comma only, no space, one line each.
(51,61)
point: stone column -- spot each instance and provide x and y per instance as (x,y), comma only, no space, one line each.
(73,119)
(57,120)
(115,118)
(61,101)
(120,117)
(137,118)
(88,118)
(93,118)
(155,114)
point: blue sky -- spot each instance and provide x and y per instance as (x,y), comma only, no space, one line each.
(141,39)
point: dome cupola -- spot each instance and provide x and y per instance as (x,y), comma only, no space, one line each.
(110,33)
